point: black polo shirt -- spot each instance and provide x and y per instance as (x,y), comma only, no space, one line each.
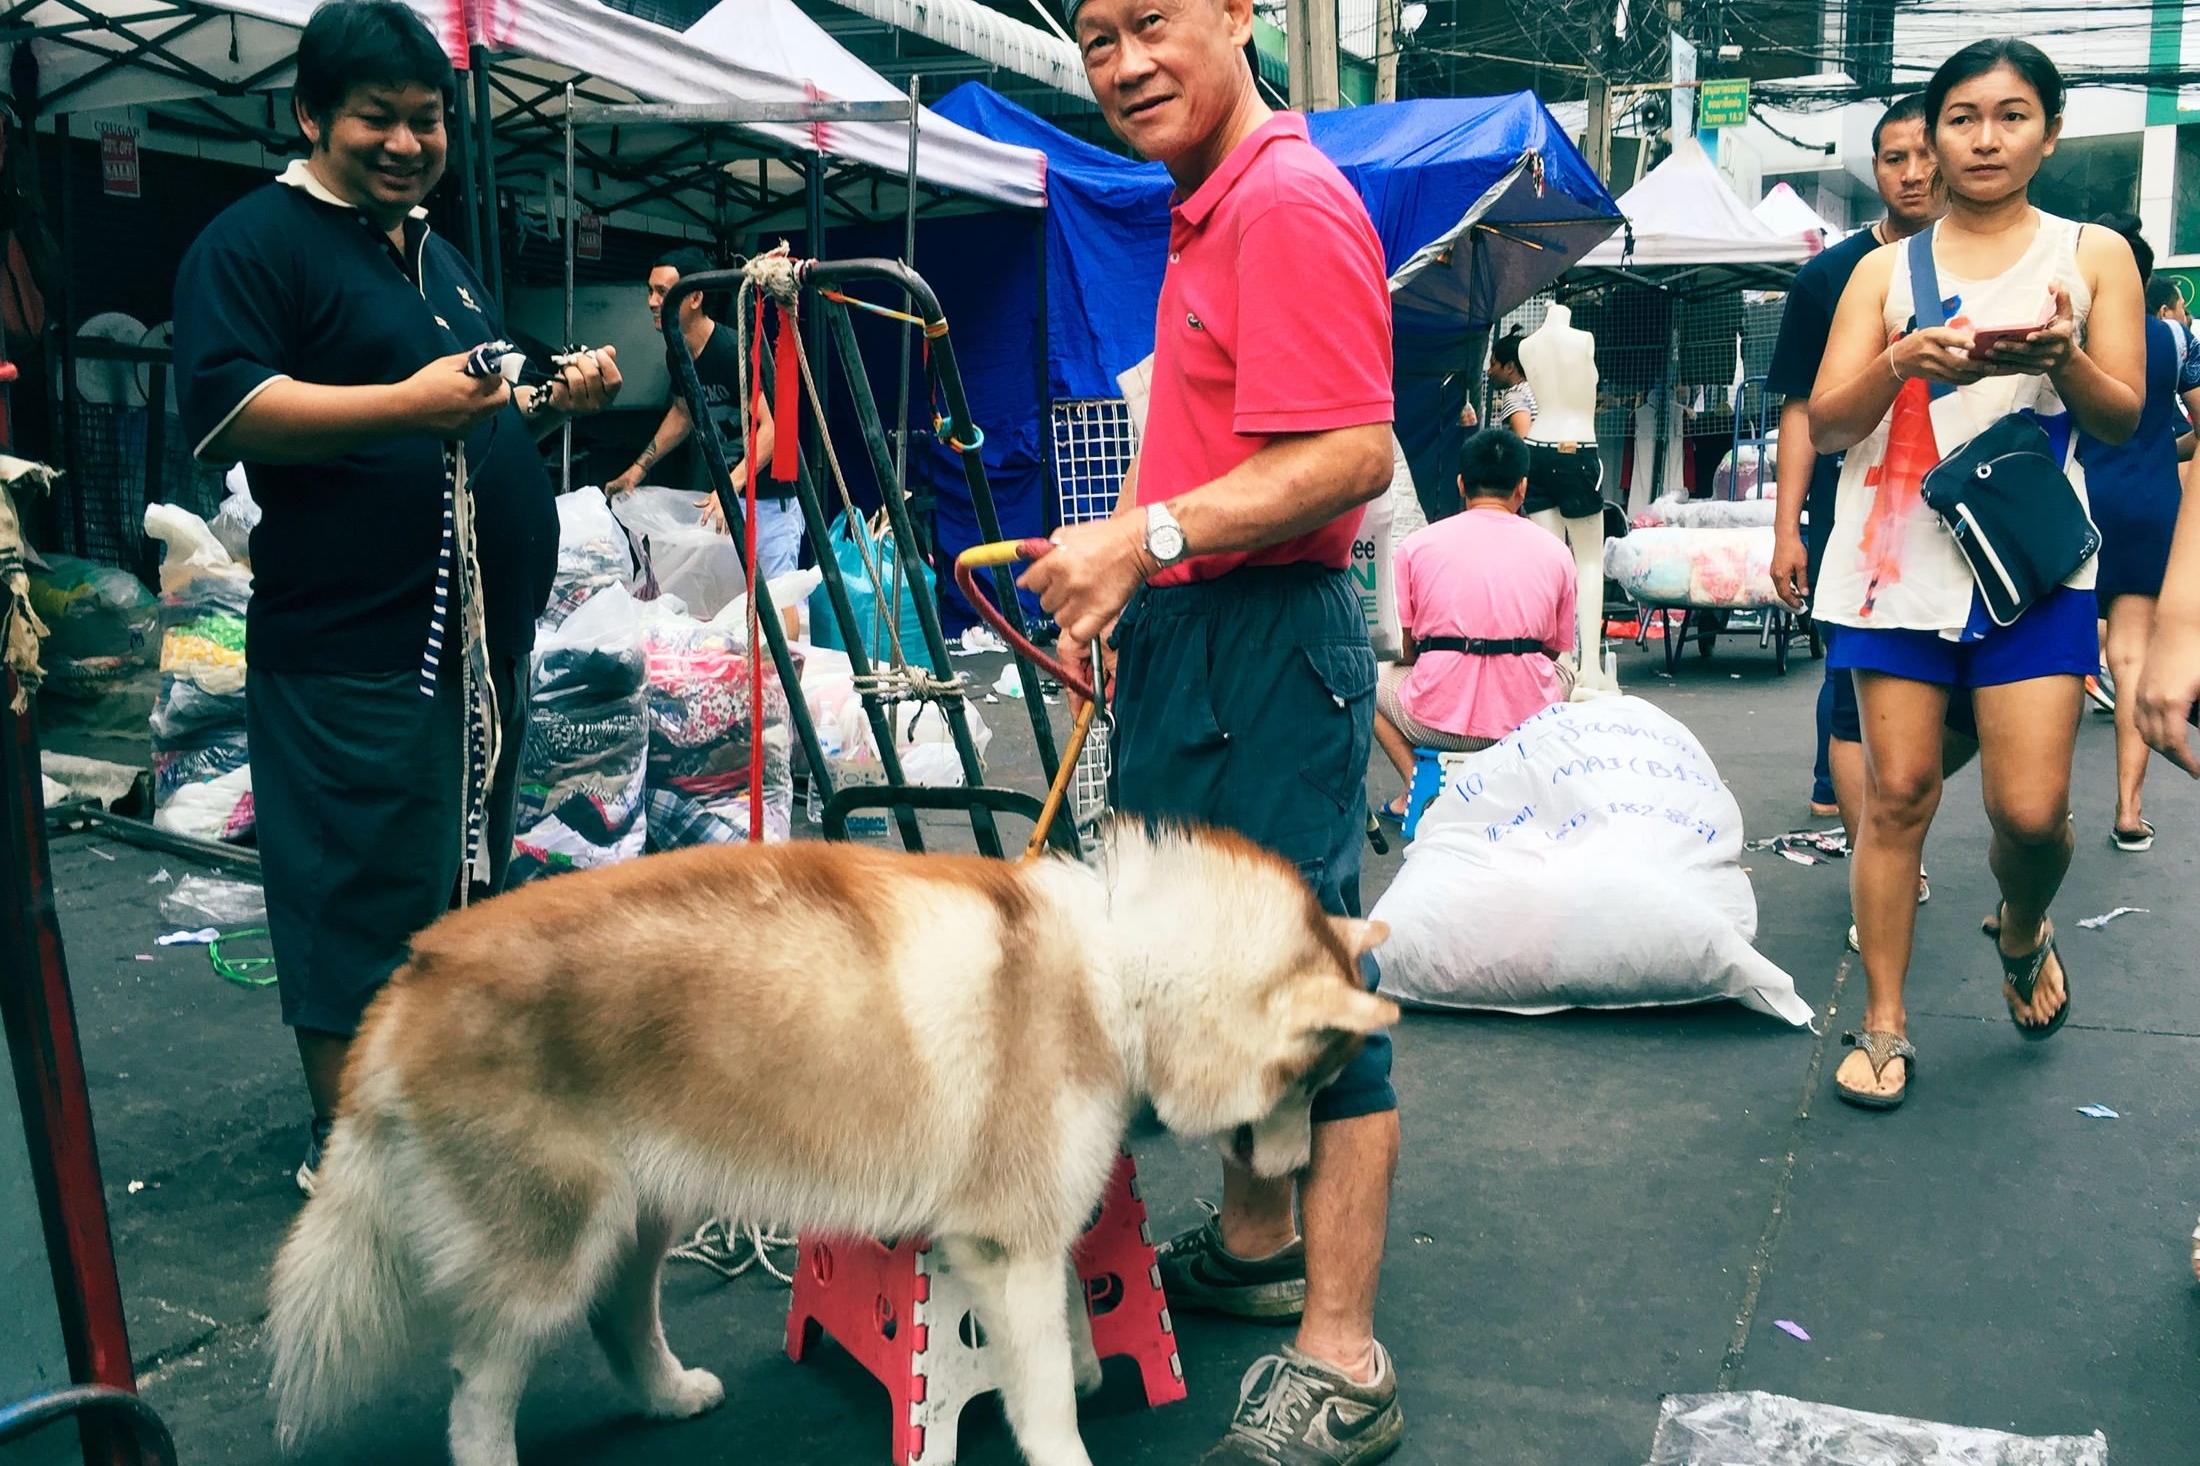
(290,282)
(1805,323)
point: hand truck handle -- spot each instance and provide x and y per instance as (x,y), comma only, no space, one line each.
(1008,552)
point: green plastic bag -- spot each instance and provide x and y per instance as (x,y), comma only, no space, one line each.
(915,579)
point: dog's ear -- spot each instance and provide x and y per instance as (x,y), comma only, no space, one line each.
(1351,1012)
(1360,937)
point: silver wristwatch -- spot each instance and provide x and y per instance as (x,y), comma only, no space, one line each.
(1164,536)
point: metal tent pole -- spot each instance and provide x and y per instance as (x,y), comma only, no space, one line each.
(813,214)
(485,135)
(469,178)
(909,258)
(565,433)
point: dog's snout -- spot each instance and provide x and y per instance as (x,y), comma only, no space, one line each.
(1241,1146)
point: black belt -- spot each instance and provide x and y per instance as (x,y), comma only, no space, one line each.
(1479,646)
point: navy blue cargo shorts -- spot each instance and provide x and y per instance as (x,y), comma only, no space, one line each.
(1248,702)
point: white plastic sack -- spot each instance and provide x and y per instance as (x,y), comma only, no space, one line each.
(1591,859)
(684,557)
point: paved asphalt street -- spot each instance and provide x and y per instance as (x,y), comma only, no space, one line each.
(1594,1209)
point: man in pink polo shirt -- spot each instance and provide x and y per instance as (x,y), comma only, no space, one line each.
(1245,688)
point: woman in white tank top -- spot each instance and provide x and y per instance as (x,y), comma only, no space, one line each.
(1911,628)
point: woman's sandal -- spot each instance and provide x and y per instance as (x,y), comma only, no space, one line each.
(1881,1048)
(2022,974)
(1397,808)
(2133,842)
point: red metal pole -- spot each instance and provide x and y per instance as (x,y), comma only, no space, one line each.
(40,1022)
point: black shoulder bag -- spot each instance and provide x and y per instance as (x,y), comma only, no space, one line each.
(2016,518)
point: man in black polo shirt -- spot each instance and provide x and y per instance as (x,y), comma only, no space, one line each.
(408,534)
(717,353)
(1902,166)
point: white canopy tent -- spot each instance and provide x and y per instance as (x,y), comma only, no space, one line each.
(1785,212)
(1683,217)
(221,68)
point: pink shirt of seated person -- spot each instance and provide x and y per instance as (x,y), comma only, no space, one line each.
(1488,573)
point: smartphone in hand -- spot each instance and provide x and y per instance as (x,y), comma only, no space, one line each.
(1986,339)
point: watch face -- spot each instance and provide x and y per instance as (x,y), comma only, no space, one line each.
(1166,542)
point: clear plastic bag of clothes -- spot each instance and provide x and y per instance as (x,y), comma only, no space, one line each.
(1751,1428)
(699,723)
(593,554)
(582,764)
(200,783)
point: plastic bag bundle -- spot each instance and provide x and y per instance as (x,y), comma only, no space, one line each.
(201,783)
(903,578)
(699,723)
(103,627)
(1590,859)
(1677,511)
(583,763)
(1725,568)
(1747,472)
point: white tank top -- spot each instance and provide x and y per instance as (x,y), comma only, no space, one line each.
(1890,562)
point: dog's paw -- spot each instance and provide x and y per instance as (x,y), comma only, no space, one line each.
(690,1392)
(1085,1370)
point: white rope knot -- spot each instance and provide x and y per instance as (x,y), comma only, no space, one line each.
(776,272)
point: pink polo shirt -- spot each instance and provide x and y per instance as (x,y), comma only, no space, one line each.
(1489,574)
(1274,318)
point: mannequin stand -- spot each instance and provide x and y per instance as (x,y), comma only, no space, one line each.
(1585,537)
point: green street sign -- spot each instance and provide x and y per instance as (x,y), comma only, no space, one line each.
(1722,103)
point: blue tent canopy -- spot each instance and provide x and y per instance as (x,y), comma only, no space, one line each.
(1479,202)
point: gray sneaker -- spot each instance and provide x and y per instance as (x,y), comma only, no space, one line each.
(1297,1411)
(1201,1275)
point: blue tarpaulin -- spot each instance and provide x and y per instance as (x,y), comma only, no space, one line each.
(1479,202)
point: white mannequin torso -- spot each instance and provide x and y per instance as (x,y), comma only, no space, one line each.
(1561,364)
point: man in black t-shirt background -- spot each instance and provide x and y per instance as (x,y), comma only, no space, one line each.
(1902,167)
(322,335)
(717,353)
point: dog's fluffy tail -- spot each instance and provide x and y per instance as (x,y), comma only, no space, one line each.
(340,1303)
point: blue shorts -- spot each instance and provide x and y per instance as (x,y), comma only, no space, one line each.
(2056,637)
(1248,702)
(1844,722)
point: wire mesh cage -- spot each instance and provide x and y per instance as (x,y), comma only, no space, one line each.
(1670,370)
(99,512)
(1094,442)
(1088,790)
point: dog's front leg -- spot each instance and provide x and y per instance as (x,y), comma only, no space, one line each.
(1025,1307)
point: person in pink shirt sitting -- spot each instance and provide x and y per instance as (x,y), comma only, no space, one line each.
(1486,603)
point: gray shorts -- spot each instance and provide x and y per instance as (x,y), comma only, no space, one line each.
(1248,702)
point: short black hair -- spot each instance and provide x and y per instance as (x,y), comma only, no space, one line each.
(687,259)
(1492,463)
(2142,253)
(1906,109)
(366,43)
(2162,293)
(1980,57)
(1505,350)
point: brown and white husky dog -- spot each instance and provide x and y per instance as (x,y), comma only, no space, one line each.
(822,1037)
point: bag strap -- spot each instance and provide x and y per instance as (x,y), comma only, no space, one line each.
(1925,279)
(1925,290)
